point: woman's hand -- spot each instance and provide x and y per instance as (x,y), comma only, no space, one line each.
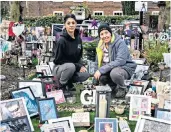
(97,75)
(83,69)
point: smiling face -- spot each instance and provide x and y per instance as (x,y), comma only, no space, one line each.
(106,36)
(107,128)
(70,25)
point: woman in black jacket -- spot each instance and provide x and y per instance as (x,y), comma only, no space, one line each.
(68,53)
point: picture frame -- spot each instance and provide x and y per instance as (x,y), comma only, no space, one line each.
(64,121)
(162,88)
(58,95)
(139,105)
(54,128)
(45,69)
(14,108)
(47,109)
(37,87)
(164,114)
(137,82)
(140,71)
(164,101)
(21,124)
(135,90)
(29,99)
(106,123)
(150,124)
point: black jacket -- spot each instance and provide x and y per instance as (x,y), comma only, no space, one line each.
(69,50)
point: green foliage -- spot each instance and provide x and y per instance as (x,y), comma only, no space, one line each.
(90,45)
(118,19)
(35,61)
(4,10)
(15,12)
(128,8)
(154,52)
(42,21)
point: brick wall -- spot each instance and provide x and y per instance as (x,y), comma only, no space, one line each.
(44,8)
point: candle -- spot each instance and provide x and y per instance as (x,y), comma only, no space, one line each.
(102,107)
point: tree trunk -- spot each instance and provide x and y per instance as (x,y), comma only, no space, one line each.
(162,18)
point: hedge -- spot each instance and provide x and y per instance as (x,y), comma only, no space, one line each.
(48,20)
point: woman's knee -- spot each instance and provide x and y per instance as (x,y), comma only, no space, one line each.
(70,66)
(115,76)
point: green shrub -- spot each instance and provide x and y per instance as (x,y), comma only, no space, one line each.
(154,52)
(42,21)
(118,19)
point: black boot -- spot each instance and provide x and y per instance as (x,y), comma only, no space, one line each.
(120,92)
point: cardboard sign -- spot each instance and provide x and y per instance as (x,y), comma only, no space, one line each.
(81,119)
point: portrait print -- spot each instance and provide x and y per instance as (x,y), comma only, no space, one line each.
(135,89)
(106,125)
(58,95)
(150,124)
(139,105)
(47,109)
(65,122)
(12,109)
(36,86)
(29,98)
(45,68)
(163,114)
(19,124)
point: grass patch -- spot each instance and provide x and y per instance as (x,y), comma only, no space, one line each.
(66,113)
(131,124)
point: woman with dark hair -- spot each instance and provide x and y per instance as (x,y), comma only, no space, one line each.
(68,52)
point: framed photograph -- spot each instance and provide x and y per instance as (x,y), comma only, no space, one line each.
(106,124)
(65,122)
(44,69)
(29,98)
(58,95)
(144,83)
(19,124)
(140,71)
(54,128)
(164,114)
(37,87)
(162,88)
(150,124)
(135,90)
(164,101)
(139,61)
(14,108)
(92,67)
(47,109)
(139,105)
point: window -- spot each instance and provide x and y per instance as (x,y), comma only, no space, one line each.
(118,13)
(58,13)
(155,13)
(98,13)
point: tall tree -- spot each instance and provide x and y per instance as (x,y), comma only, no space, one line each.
(15,11)
(162,15)
(128,8)
(4,9)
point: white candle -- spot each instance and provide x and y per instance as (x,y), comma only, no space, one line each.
(102,107)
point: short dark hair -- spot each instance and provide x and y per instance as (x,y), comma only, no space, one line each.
(69,16)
